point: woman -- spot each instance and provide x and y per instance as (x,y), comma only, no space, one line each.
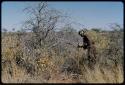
(89,45)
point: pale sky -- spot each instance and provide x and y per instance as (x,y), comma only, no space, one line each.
(90,14)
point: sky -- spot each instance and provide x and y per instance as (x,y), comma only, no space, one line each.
(89,14)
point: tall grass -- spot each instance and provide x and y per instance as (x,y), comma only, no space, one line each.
(44,65)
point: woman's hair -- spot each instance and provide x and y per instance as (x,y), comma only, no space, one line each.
(81,32)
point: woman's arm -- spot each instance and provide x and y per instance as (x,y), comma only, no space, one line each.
(80,46)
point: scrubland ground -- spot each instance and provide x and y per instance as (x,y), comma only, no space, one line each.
(25,64)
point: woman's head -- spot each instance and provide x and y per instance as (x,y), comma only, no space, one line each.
(81,33)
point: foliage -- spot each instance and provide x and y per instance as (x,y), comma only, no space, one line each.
(45,54)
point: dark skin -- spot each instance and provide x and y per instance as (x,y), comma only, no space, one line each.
(86,44)
(89,46)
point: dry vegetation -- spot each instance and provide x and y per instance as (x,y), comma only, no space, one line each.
(49,56)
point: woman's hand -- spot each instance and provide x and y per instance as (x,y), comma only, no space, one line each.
(80,46)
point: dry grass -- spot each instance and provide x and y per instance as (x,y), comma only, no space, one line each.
(48,67)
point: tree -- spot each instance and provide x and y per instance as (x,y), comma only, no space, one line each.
(115,27)
(96,29)
(4,30)
(42,21)
(13,29)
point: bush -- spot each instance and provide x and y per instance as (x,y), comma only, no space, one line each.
(70,65)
